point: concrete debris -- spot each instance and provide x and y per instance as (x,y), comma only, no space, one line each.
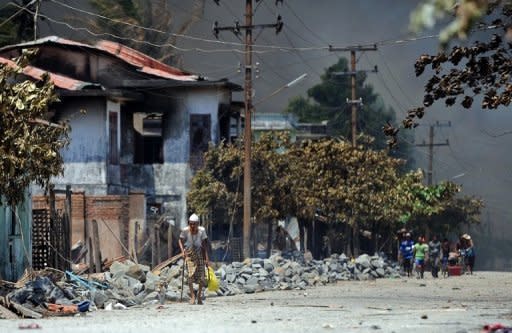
(129,284)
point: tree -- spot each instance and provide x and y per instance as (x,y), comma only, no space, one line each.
(465,15)
(17,25)
(147,26)
(455,213)
(463,74)
(351,186)
(29,145)
(328,101)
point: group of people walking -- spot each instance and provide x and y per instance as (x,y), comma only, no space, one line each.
(436,254)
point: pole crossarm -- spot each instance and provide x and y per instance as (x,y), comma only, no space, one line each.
(424,144)
(358,48)
(374,70)
(237,28)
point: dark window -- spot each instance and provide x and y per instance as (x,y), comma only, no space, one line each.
(148,138)
(200,129)
(113,138)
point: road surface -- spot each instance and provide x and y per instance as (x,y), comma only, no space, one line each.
(454,304)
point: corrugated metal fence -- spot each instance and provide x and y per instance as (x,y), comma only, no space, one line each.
(15,239)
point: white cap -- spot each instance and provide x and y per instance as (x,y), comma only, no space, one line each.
(193,218)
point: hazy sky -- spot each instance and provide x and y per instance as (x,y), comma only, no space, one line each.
(474,158)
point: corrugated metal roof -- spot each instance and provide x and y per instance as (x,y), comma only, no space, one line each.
(58,80)
(145,63)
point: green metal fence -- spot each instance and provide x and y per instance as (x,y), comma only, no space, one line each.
(15,239)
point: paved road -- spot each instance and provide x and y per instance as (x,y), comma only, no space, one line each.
(456,304)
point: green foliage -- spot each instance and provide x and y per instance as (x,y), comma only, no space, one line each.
(465,15)
(455,213)
(328,101)
(328,177)
(29,146)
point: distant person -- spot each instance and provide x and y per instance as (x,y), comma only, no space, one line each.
(434,253)
(469,253)
(193,244)
(445,254)
(406,254)
(461,249)
(420,252)
(400,236)
(326,247)
(280,238)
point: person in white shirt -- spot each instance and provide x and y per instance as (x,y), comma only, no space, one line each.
(193,244)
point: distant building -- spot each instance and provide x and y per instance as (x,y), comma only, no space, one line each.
(280,122)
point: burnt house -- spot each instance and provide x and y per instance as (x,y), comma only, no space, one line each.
(139,129)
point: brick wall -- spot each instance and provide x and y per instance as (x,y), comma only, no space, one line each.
(111,212)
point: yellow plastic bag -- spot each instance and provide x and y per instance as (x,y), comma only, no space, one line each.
(213,282)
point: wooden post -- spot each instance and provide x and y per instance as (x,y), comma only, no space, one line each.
(90,251)
(136,240)
(97,250)
(68,223)
(153,246)
(169,240)
(53,216)
(157,241)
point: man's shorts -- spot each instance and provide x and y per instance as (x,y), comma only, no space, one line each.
(420,262)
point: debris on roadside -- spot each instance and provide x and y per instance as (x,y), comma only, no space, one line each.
(125,284)
(497,328)
(32,326)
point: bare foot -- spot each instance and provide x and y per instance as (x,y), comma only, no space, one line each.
(192,301)
(199,301)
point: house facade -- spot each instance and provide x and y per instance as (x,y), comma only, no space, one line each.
(139,128)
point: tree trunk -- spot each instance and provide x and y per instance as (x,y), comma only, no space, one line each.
(310,238)
(375,237)
(301,235)
(347,235)
(269,237)
(355,239)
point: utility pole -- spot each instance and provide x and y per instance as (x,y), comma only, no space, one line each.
(248,27)
(431,146)
(354,101)
(36,14)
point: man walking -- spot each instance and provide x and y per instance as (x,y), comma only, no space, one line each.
(193,244)
(406,252)
(420,251)
(434,251)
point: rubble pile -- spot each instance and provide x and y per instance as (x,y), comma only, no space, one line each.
(278,273)
(128,284)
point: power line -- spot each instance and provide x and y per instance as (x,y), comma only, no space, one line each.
(388,42)
(401,108)
(304,24)
(394,78)
(431,144)
(269,47)
(19,11)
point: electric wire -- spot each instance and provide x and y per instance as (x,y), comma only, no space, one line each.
(388,42)
(393,77)
(16,13)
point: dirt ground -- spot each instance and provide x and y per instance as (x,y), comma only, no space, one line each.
(454,304)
